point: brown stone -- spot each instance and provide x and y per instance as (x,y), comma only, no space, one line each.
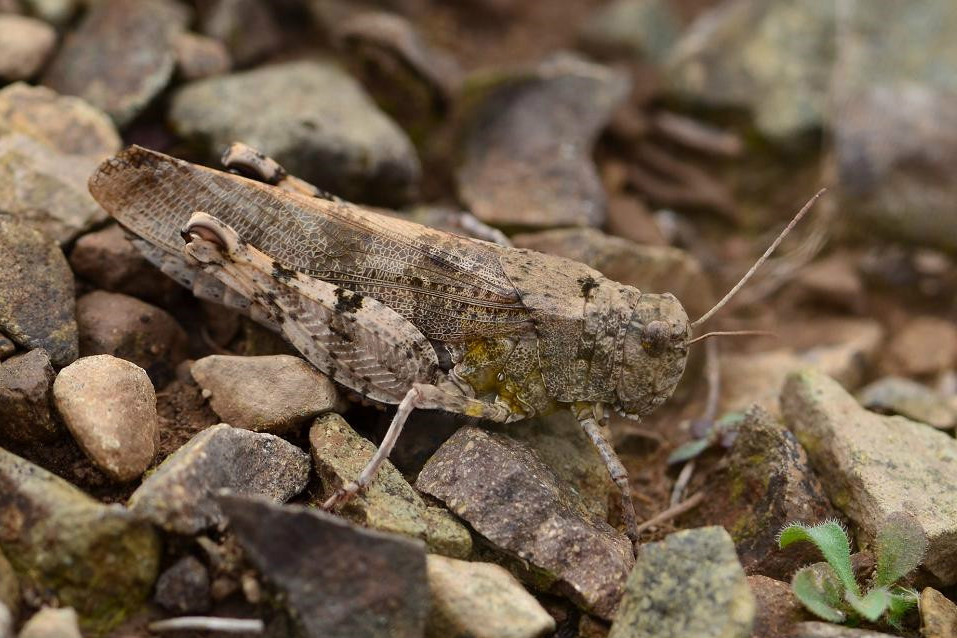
(778,608)
(938,615)
(25,44)
(924,346)
(25,401)
(200,57)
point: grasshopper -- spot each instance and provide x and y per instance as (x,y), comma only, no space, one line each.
(401,313)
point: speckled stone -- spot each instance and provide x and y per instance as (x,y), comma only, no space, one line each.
(689,584)
(938,614)
(26,414)
(388,503)
(778,608)
(871,464)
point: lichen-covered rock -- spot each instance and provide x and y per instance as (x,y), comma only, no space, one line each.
(337,580)
(509,496)
(264,394)
(481,600)
(184,587)
(527,156)
(199,57)
(51,622)
(109,406)
(689,584)
(179,496)
(871,464)
(99,559)
(938,614)
(325,130)
(36,292)
(388,503)
(120,57)
(26,415)
(641,28)
(764,484)
(9,587)
(127,328)
(25,44)
(897,395)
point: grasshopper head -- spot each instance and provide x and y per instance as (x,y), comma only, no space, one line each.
(655,352)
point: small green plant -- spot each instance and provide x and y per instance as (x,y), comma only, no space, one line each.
(830,591)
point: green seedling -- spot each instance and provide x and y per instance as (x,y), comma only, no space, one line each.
(830,591)
(719,432)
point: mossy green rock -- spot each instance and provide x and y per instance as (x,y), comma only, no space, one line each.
(388,503)
(873,466)
(689,584)
(98,559)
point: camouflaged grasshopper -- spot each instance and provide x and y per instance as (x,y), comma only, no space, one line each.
(401,313)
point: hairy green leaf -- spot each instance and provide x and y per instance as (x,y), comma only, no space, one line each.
(900,547)
(902,601)
(819,589)
(873,605)
(831,539)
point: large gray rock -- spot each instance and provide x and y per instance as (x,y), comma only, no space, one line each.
(36,292)
(871,465)
(109,406)
(337,580)
(51,622)
(25,44)
(689,584)
(481,600)
(179,496)
(388,503)
(26,415)
(264,394)
(509,496)
(325,130)
(120,57)
(527,156)
(99,559)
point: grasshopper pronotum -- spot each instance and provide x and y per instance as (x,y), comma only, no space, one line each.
(401,313)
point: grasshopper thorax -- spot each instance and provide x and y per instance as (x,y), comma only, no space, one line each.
(655,350)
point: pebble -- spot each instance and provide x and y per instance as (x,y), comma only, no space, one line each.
(127,328)
(36,292)
(51,622)
(326,130)
(778,608)
(897,395)
(120,57)
(25,399)
(9,588)
(56,12)
(689,584)
(643,29)
(509,496)
(336,580)
(246,27)
(871,464)
(481,600)
(61,542)
(199,57)
(6,622)
(25,44)
(527,150)
(923,346)
(388,503)
(265,394)
(183,588)
(827,630)
(109,406)
(179,496)
(938,615)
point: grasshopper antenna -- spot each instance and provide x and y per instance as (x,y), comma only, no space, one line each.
(734,333)
(777,242)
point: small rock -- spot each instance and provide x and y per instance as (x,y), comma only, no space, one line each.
(6,622)
(509,496)
(52,623)
(778,608)
(56,12)
(199,57)
(481,600)
(25,44)
(338,581)
(246,27)
(179,496)
(264,394)
(938,615)
(871,464)
(120,57)
(109,406)
(827,630)
(527,156)
(99,559)
(326,130)
(641,28)
(184,588)
(7,347)
(764,484)
(833,280)
(109,260)
(897,395)
(26,416)
(631,219)
(388,503)
(924,346)
(9,588)
(131,329)
(36,292)
(689,584)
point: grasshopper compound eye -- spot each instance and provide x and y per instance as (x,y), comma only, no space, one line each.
(656,337)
